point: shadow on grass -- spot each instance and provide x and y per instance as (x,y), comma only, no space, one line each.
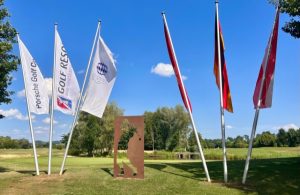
(3,170)
(265,176)
(108,170)
(31,172)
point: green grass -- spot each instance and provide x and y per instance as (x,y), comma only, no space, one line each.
(273,171)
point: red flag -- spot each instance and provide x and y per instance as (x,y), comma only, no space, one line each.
(173,59)
(227,103)
(266,73)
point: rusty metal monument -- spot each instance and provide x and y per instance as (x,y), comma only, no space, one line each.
(135,147)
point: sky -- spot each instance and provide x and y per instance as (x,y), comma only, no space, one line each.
(133,30)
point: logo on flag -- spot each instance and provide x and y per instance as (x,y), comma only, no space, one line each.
(102,68)
(64,103)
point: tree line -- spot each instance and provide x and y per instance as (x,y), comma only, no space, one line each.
(165,129)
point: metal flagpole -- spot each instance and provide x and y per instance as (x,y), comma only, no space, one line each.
(257,111)
(52,103)
(199,146)
(29,117)
(189,109)
(221,95)
(80,99)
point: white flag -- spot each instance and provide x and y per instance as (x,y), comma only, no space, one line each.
(36,89)
(66,88)
(102,79)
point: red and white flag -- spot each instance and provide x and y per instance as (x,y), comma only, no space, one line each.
(266,73)
(176,69)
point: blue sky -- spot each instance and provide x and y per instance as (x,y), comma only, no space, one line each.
(134,32)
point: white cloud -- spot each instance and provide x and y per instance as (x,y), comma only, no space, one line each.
(14,114)
(286,127)
(81,71)
(47,121)
(229,127)
(41,130)
(63,125)
(48,82)
(21,93)
(164,70)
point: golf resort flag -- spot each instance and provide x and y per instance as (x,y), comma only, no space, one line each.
(227,103)
(173,59)
(264,91)
(102,78)
(66,88)
(36,90)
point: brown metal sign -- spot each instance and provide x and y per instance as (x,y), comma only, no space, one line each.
(131,138)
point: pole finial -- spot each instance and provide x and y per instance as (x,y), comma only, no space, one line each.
(163,13)
(217,1)
(55,24)
(99,21)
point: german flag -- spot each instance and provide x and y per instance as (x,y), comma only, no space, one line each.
(227,103)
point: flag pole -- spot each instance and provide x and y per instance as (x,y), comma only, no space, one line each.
(79,102)
(189,109)
(52,104)
(29,118)
(221,96)
(255,121)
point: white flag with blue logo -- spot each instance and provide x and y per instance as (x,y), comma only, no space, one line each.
(36,90)
(66,88)
(101,82)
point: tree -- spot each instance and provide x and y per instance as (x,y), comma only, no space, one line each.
(193,146)
(93,135)
(240,142)
(292,137)
(167,129)
(8,61)
(282,138)
(266,139)
(292,8)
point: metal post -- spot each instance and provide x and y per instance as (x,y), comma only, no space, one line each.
(52,104)
(79,102)
(257,108)
(221,96)
(189,108)
(29,117)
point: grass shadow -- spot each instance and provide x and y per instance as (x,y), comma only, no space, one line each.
(196,175)
(3,170)
(265,176)
(30,172)
(108,170)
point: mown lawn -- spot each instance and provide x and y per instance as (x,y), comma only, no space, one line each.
(280,174)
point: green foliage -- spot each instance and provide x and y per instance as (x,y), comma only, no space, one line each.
(292,8)
(8,143)
(240,142)
(8,61)
(93,135)
(167,128)
(127,133)
(266,139)
(282,138)
(292,137)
